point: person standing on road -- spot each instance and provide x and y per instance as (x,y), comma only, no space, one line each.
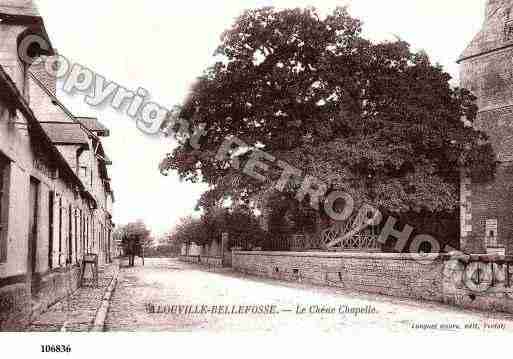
(131,245)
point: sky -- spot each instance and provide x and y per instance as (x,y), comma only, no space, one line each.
(164,45)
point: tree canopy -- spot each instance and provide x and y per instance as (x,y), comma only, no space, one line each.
(376,120)
(133,235)
(239,223)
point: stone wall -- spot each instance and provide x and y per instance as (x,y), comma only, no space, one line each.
(448,279)
(491,291)
(18,305)
(380,273)
(493,201)
(55,286)
(209,261)
(15,307)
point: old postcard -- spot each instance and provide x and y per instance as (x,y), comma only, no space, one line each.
(254,167)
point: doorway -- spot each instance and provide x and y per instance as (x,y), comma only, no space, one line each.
(32,236)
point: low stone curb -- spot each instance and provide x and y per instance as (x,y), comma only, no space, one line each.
(101,314)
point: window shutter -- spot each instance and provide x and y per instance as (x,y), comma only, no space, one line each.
(4,206)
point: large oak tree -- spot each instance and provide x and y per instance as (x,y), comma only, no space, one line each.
(377,120)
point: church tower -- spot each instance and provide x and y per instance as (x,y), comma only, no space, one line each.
(486,68)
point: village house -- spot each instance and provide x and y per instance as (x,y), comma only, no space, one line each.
(55,191)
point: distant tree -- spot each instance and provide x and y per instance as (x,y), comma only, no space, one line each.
(148,242)
(133,237)
(165,246)
(240,223)
(169,245)
(191,230)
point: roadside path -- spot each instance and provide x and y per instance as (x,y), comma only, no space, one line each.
(77,312)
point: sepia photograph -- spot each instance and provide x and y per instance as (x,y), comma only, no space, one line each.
(251,167)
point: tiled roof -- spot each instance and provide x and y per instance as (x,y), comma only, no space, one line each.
(65,133)
(93,124)
(18,7)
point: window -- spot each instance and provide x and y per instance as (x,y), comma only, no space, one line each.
(50,228)
(60,231)
(87,234)
(82,234)
(34,193)
(93,240)
(4,205)
(76,236)
(491,233)
(70,236)
(109,243)
(508,31)
(83,171)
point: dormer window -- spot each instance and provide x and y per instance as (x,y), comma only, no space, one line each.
(83,171)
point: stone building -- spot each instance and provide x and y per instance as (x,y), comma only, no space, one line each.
(487,71)
(55,192)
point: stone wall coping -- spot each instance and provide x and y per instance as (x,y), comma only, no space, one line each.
(354,255)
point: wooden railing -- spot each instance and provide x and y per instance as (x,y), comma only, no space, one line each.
(359,241)
(365,242)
